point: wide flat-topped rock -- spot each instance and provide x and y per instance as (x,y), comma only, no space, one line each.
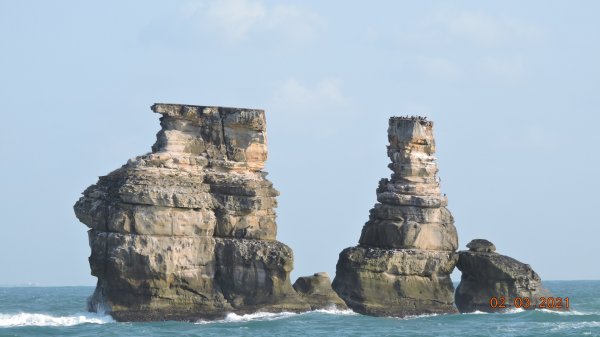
(188,231)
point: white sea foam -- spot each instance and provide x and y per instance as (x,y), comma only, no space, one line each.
(409,317)
(518,310)
(513,311)
(573,325)
(476,312)
(507,311)
(269,316)
(567,313)
(422,316)
(336,311)
(262,316)
(35,319)
(257,316)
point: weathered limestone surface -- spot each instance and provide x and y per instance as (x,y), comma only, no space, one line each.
(487,274)
(316,290)
(406,251)
(188,231)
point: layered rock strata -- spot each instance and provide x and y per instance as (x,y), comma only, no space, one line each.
(188,231)
(406,251)
(317,292)
(487,275)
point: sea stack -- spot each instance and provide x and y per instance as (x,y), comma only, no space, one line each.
(406,251)
(188,231)
(493,282)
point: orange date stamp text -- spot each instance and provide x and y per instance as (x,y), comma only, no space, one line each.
(526,303)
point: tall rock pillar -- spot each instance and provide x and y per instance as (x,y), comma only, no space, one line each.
(406,251)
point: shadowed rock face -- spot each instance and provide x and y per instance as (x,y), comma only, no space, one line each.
(486,274)
(188,231)
(405,255)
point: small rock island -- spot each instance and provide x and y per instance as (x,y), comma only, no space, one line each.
(188,231)
(487,275)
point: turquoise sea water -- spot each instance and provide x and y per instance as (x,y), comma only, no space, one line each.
(60,311)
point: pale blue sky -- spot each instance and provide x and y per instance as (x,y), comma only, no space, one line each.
(512,86)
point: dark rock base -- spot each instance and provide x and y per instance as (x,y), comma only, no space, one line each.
(383,282)
(487,275)
(229,276)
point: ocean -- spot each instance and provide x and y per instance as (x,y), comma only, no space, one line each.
(60,311)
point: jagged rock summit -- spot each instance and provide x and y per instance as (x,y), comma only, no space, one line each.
(487,274)
(188,231)
(406,251)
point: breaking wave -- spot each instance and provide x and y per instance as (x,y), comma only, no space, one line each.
(257,316)
(513,311)
(476,312)
(335,311)
(410,317)
(270,316)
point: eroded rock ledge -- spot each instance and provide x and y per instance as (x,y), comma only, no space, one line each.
(188,231)
(406,251)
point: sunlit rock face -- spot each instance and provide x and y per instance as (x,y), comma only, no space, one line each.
(406,250)
(188,231)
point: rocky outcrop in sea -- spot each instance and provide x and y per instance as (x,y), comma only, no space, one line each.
(493,282)
(406,251)
(188,231)
(317,292)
